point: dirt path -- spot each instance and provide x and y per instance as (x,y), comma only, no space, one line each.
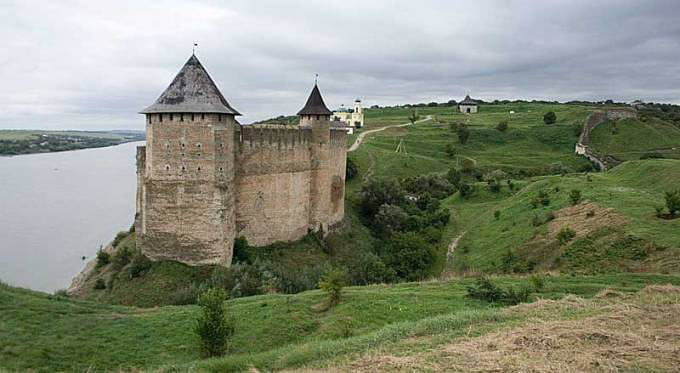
(452,247)
(360,138)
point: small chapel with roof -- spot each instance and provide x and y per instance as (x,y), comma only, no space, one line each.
(203,179)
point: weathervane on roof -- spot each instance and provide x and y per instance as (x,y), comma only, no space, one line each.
(316,78)
(193,50)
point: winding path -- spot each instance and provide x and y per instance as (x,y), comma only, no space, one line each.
(360,138)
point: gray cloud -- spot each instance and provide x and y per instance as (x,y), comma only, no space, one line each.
(93,65)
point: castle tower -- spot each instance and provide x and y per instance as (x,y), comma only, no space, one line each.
(316,115)
(185,197)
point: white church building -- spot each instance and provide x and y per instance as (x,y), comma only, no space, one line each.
(352,118)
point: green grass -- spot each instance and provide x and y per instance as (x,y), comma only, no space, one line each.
(48,333)
(629,139)
(632,190)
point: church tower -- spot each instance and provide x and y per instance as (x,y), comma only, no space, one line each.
(315,115)
(185,197)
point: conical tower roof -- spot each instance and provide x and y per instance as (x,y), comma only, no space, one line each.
(315,104)
(468,101)
(192,91)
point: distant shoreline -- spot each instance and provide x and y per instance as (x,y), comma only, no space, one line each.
(24,142)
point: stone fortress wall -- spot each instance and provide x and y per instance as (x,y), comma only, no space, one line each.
(204,179)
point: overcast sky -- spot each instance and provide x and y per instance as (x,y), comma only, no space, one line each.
(95,64)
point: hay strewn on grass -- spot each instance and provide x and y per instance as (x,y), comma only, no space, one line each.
(619,332)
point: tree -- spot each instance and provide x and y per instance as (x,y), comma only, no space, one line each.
(213,326)
(454,176)
(389,219)
(409,256)
(549,117)
(332,282)
(575,196)
(502,126)
(379,191)
(673,202)
(463,133)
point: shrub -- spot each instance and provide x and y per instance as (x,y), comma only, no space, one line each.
(468,165)
(494,186)
(351,169)
(241,250)
(543,198)
(487,291)
(549,117)
(465,190)
(454,177)
(450,150)
(536,221)
(513,263)
(389,219)
(673,202)
(139,264)
(575,197)
(119,237)
(659,211)
(121,257)
(497,214)
(502,126)
(463,134)
(213,326)
(100,284)
(61,293)
(538,282)
(379,191)
(565,235)
(103,258)
(332,282)
(409,255)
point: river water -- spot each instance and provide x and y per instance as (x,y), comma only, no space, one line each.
(56,208)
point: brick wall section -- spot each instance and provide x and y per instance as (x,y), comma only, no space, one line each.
(205,181)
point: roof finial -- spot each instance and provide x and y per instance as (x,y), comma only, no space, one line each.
(316,78)
(193,50)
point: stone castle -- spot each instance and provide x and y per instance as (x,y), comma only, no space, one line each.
(203,179)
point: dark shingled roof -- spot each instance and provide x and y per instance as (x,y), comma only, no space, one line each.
(192,91)
(468,101)
(315,104)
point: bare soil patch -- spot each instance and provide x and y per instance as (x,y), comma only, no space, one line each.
(585,218)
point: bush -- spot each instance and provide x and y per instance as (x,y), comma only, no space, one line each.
(549,117)
(409,256)
(487,291)
(389,219)
(241,250)
(465,190)
(119,237)
(351,169)
(379,191)
(538,283)
(454,177)
(543,198)
(494,186)
(450,150)
(332,282)
(121,257)
(497,214)
(184,295)
(575,197)
(673,202)
(103,258)
(565,235)
(139,264)
(61,293)
(100,284)
(502,126)
(213,326)
(659,211)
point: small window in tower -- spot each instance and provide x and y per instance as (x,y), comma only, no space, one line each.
(220,168)
(199,154)
(199,168)
(181,117)
(317,117)
(192,117)
(184,168)
(167,146)
(219,117)
(198,146)
(160,118)
(221,145)
(182,154)
(148,117)
(167,168)
(202,116)
(183,145)
(171,117)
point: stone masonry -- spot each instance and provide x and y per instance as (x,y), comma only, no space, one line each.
(204,179)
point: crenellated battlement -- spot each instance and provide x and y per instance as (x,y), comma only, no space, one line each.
(204,179)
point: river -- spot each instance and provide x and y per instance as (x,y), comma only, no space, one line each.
(56,208)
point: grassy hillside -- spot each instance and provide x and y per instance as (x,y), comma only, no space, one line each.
(617,215)
(47,333)
(632,138)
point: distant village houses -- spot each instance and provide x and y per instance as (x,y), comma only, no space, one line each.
(349,119)
(468,105)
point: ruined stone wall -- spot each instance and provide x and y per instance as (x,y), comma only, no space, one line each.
(622,113)
(187,193)
(273,183)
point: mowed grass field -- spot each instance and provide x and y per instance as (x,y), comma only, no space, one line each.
(40,332)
